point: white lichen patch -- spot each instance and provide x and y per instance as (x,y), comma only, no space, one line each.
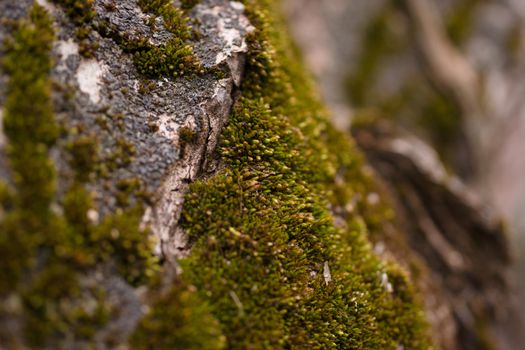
(231,35)
(169,127)
(237,6)
(89,75)
(66,48)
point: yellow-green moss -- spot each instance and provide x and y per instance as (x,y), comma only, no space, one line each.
(84,152)
(179,319)
(80,11)
(28,124)
(262,230)
(175,57)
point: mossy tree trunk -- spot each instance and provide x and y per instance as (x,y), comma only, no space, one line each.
(170,180)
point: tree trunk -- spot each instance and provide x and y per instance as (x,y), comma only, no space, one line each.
(169,179)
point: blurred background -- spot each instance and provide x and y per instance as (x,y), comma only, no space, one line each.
(449,72)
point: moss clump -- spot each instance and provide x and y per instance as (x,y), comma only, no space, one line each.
(84,156)
(29,126)
(179,320)
(267,256)
(174,58)
(80,11)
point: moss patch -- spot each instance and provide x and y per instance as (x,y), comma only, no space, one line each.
(267,256)
(174,58)
(179,320)
(45,251)
(80,11)
(268,262)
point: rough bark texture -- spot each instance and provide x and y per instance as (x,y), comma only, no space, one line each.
(463,247)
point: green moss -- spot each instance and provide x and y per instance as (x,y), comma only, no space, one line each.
(263,229)
(179,320)
(80,11)
(126,188)
(174,58)
(28,107)
(6,198)
(45,251)
(263,232)
(120,238)
(146,86)
(88,48)
(84,156)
